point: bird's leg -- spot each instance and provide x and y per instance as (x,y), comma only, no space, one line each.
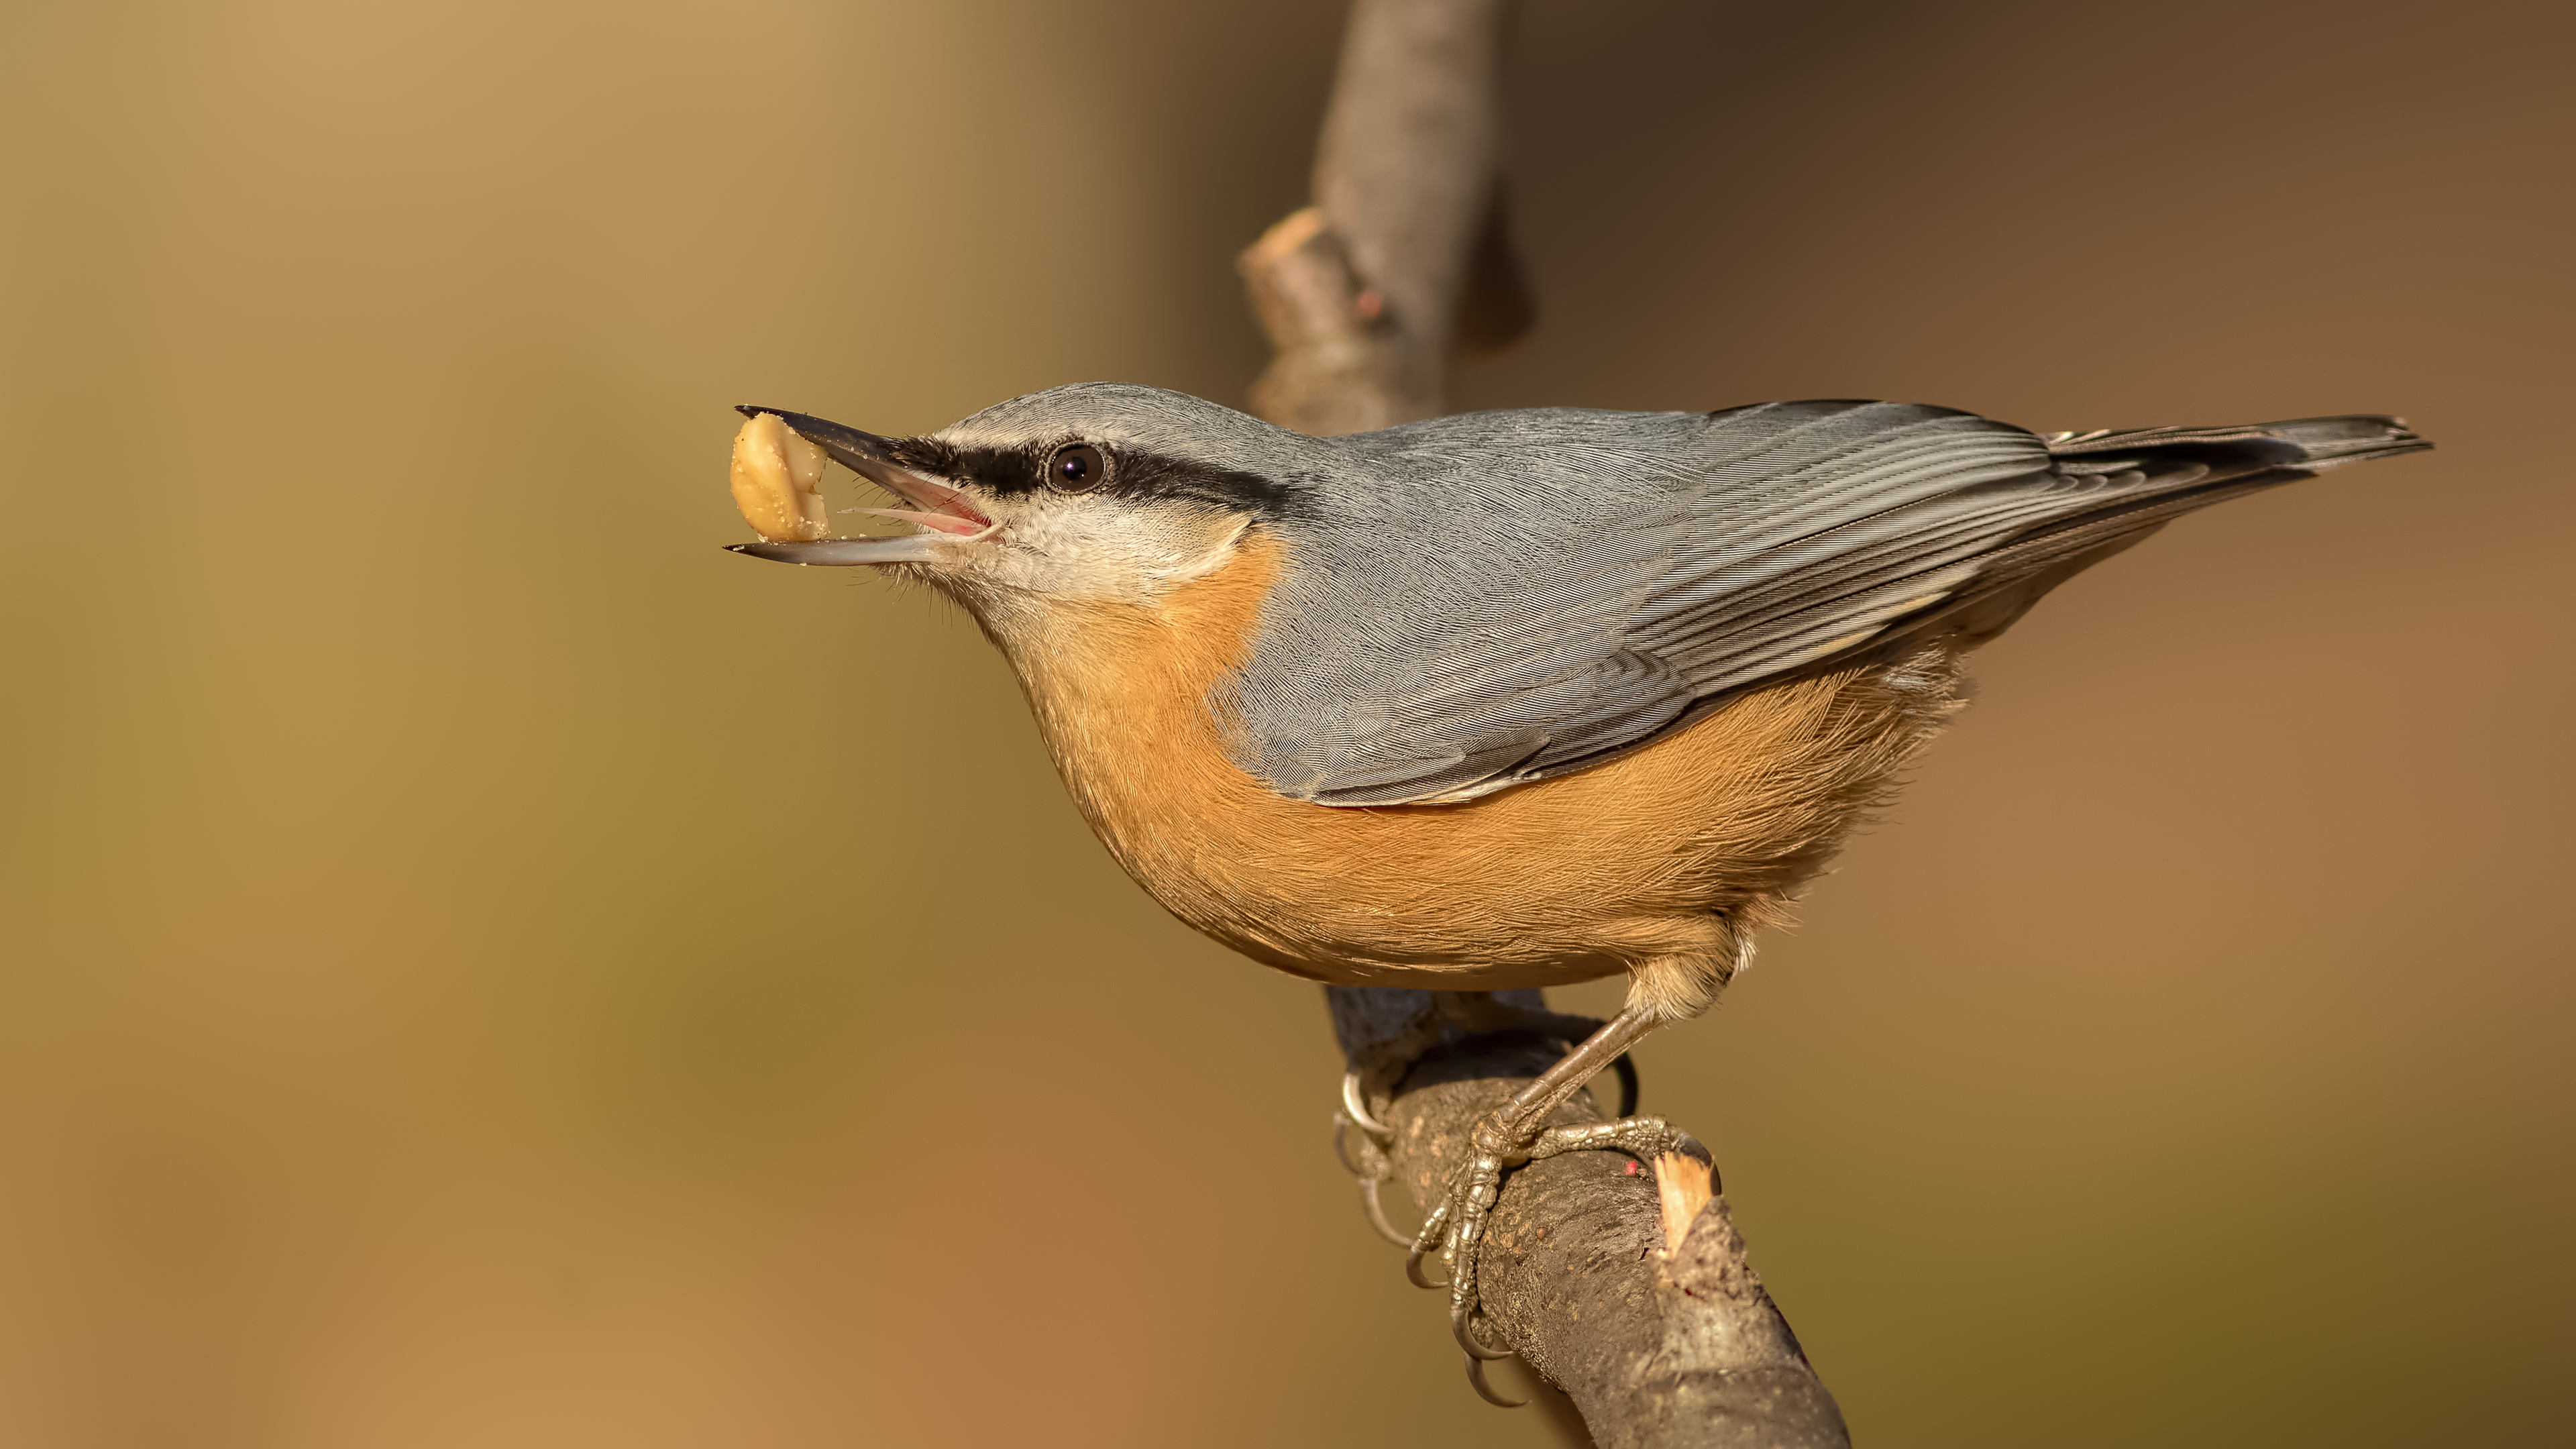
(1510,1136)
(1474,1012)
(1478,1013)
(1487,1014)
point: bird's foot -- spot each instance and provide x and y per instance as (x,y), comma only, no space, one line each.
(1455,1230)
(1513,1134)
(1368,1162)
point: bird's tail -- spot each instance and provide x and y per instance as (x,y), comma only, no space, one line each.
(2147,477)
(2141,478)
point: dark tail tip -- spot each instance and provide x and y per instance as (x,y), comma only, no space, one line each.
(2310,444)
(2330,442)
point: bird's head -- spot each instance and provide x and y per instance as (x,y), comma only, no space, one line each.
(1094,492)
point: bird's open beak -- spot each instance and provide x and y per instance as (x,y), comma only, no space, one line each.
(938,510)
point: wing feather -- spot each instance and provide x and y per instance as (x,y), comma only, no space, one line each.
(1515,595)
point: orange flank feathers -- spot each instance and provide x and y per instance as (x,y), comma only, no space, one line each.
(1661,862)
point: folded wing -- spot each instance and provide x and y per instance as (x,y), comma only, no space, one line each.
(1539,592)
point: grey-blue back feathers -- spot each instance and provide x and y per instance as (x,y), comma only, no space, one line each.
(1474,602)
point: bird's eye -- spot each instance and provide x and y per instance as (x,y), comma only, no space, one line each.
(1077,469)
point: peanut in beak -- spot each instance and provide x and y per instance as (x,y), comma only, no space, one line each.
(778,481)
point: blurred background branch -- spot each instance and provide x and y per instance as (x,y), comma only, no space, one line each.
(1405,252)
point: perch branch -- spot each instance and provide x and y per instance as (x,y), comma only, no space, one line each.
(1658,1346)
(1624,1287)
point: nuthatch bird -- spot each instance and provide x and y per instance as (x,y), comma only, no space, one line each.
(1506,699)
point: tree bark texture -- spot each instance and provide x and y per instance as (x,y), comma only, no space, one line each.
(1365,297)
(1657,1349)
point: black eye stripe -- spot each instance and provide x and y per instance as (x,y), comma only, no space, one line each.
(1129,471)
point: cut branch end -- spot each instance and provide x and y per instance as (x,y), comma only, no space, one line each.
(1684,1185)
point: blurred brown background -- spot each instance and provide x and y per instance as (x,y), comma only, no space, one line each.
(484,967)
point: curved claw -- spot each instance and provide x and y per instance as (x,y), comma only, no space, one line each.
(1464,1329)
(1377,1214)
(1342,1124)
(1484,1390)
(1355,1104)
